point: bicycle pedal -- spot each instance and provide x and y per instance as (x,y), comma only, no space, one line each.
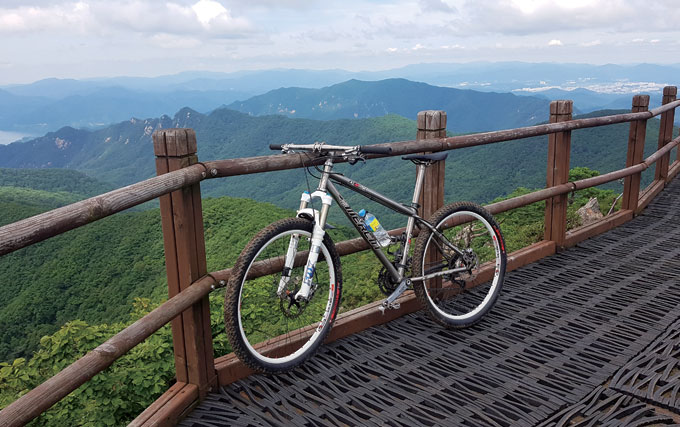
(393,306)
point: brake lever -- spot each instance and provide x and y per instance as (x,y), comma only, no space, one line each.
(354,159)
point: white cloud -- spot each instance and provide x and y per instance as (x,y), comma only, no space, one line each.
(436,6)
(543,16)
(555,42)
(74,16)
(207,18)
(171,41)
(592,43)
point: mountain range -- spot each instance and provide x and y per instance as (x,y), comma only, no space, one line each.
(468,110)
(49,104)
(123,153)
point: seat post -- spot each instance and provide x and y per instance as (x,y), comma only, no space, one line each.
(420,178)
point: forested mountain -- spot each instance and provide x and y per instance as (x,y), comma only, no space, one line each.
(468,110)
(49,104)
(122,154)
(53,180)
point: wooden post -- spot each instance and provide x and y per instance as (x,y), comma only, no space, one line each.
(665,133)
(185,261)
(636,146)
(559,151)
(432,124)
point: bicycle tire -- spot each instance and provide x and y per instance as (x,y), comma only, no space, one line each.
(459,300)
(267,332)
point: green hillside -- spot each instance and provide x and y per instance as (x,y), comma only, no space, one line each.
(474,111)
(94,273)
(123,154)
(54,180)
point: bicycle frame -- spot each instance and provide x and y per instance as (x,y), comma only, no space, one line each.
(326,186)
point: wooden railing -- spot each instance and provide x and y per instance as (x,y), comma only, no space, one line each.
(177,184)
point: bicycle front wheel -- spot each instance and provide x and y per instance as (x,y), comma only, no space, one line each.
(461,284)
(268,329)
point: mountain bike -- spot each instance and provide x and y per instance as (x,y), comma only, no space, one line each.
(285,289)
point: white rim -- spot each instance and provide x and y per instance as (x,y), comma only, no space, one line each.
(324,319)
(497,269)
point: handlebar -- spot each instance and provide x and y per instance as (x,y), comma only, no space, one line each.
(371,149)
(320,147)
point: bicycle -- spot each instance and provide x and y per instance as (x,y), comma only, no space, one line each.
(285,289)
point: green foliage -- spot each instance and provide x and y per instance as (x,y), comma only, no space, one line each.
(524,226)
(54,180)
(113,397)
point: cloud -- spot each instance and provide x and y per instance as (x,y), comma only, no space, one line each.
(171,41)
(523,17)
(74,16)
(592,43)
(436,6)
(207,18)
(555,42)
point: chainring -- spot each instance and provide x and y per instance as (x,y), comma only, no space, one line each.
(385,282)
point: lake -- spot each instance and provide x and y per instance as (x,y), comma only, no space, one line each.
(9,136)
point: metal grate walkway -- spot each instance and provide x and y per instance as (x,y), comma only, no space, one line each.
(563,327)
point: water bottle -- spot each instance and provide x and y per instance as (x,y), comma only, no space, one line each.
(372,224)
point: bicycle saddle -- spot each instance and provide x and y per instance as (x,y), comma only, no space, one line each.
(434,157)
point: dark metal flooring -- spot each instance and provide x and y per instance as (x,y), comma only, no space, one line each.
(589,336)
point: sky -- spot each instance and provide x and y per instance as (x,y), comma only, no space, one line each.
(106,38)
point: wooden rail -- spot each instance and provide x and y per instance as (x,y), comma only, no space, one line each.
(40,227)
(179,174)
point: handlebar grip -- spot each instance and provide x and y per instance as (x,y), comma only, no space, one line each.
(370,149)
(275,147)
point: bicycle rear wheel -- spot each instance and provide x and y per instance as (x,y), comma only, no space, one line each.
(271,332)
(461,286)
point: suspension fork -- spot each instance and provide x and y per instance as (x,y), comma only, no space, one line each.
(319,220)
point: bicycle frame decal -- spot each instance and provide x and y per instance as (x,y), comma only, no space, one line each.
(354,218)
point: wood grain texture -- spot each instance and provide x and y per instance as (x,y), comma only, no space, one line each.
(167,410)
(605,224)
(43,226)
(182,219)
(559,152)
(636,145)
(649,194)
(665,133)
(249,165)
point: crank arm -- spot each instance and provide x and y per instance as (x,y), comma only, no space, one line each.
(389,302)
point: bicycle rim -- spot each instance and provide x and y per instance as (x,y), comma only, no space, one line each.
(463,297)
(275,330)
